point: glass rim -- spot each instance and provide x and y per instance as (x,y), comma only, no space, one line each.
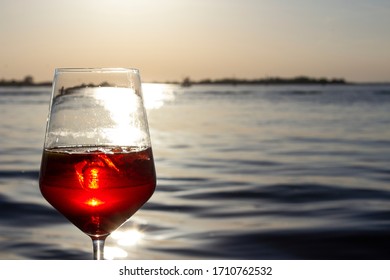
(95,70)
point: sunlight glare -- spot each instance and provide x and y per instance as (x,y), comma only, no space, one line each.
(123,105)
(128,238)
(111,253)
(125,238)
(94,202)
(156,95)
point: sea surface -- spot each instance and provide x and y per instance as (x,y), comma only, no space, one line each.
(244,172)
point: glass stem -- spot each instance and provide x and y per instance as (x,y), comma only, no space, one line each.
(98,249)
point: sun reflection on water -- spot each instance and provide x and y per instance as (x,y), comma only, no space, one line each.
(111,253)
(156,95)
(128,238)
(120,109)
(123,238)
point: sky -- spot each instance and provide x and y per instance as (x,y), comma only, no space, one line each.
(173,39)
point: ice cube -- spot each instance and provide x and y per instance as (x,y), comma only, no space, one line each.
(90,173)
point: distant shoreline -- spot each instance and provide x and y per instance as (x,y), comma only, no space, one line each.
(186,82)
(300,80)
(16,84)
(28,81)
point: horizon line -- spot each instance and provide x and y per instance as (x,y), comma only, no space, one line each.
(28,80)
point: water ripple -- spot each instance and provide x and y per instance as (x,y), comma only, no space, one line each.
(17,214)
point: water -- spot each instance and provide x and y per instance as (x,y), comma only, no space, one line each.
(244,172)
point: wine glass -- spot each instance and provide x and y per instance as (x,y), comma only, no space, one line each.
(97,165)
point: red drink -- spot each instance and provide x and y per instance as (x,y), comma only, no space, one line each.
(97,188)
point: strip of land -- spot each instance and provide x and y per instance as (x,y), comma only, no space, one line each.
(300,80)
